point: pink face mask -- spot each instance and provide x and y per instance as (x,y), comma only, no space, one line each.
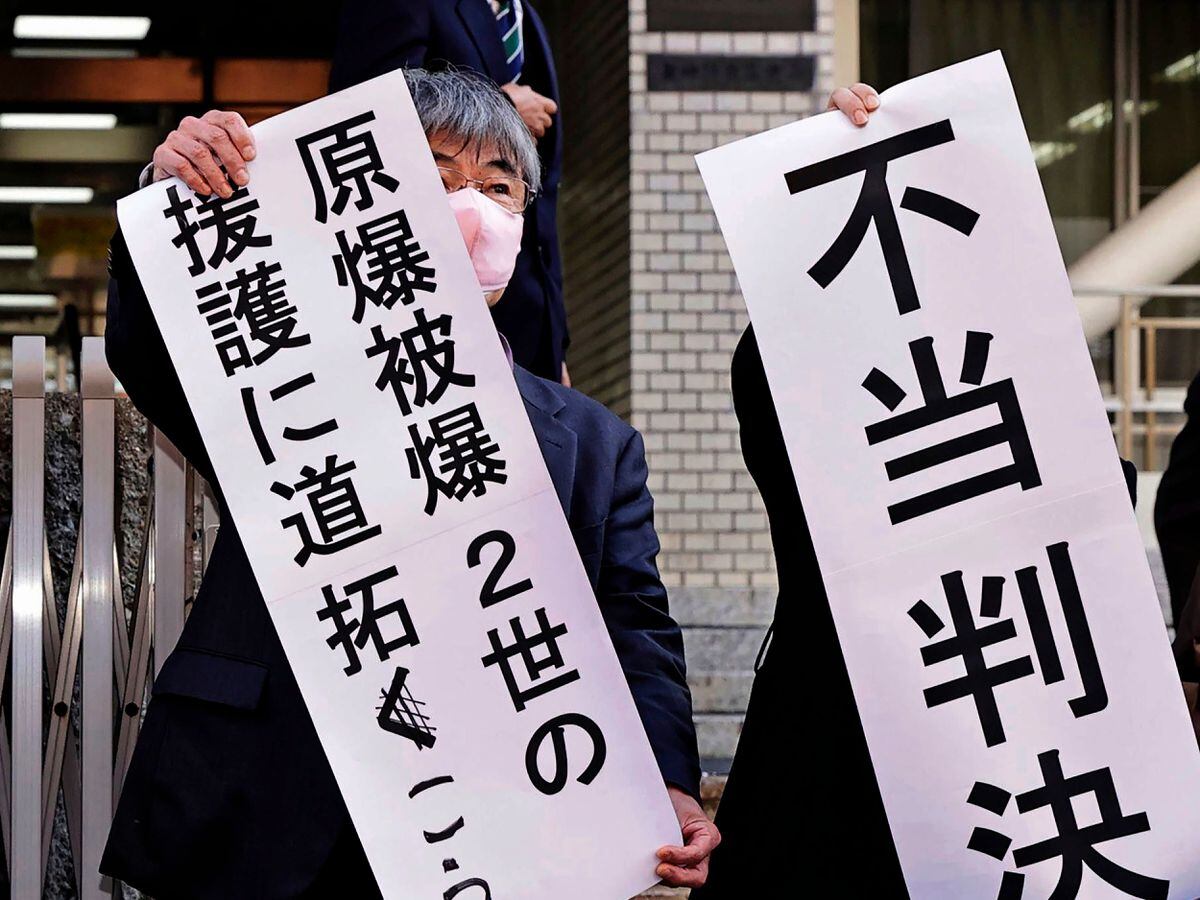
(492,235)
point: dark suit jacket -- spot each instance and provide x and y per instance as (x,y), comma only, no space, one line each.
(229,794)
(802,681)
(377,36)
(802,678)
(1177,506)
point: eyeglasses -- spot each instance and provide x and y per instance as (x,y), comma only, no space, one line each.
(514,194)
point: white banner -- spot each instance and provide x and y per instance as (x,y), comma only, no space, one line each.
(985,571)
(377,458)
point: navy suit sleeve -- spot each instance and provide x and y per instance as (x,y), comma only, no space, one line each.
(648,642)
(138,357)
(379,36)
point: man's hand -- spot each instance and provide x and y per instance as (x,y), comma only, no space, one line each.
(535,109)
(687,866)
(857,102)
(198,148)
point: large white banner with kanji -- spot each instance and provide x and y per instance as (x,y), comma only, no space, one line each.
(367,432)
(943,421)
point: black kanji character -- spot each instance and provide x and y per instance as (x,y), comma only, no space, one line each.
(335,506)
(343,631)
(177,210)
(939,407)
(1075,845)
(467,456)
(980,679)
(250,407)
(875,205)
(356,632)
(347,160)
(230,343)
(422,357)
(554,730)
(401,714)
(397,267)
(234,226)
(970,641)
(1095,694)
(262,305)
(523,646)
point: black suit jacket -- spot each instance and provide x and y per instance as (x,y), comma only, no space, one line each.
(377,36)
(229,793)
(1177,506)
(803,680)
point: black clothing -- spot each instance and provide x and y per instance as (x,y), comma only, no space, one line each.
(1177,507)
(802,800)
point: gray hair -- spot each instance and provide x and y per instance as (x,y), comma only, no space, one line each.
(470,107)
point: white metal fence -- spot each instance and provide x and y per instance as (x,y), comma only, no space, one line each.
(81,744)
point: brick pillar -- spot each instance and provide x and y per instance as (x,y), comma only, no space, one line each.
(686,310)
(686,315)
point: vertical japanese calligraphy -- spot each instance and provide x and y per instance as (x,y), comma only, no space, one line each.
(979,551)
(376,456)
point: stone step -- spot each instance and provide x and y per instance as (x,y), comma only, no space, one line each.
(717,734)
(744,607)
(720,691)
(730,649)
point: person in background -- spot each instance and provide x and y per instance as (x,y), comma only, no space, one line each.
(802,787)
(1177,525)
(229,795)
(506,41)
(1177,506)
(1186,650)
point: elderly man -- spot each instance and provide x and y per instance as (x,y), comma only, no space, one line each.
(229,794)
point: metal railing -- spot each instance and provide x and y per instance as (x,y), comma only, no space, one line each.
(1137,388)
(109,649)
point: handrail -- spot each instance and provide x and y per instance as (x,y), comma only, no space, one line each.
(1135,349)
(1156,246)
(1167,291)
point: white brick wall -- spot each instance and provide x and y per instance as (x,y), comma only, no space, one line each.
(687,311)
